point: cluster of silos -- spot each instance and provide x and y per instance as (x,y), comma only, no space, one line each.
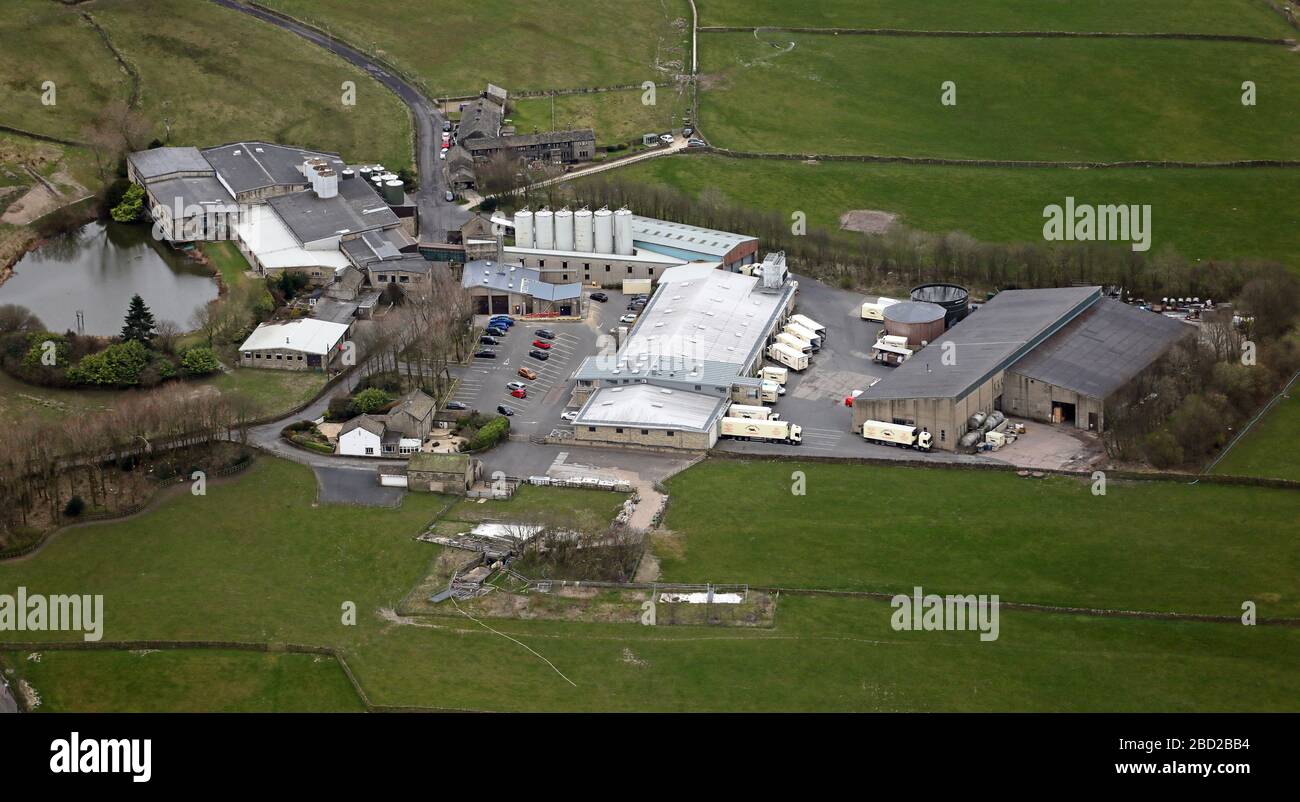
(582,231)
(979,425)
(322,177)
(919,321)
(953,298)
(387,185)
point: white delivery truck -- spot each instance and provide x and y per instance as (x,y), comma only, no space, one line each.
(896,434)
(804,334)
(792,358)
(810,324)
(800,345)
(774,374)
(753,412)
(770,391)
(771,431)
(875,310)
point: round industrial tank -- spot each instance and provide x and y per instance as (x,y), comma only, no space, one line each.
(564,230)
(604,225)
(918,322)
(582,231)
(623,232)
(348,173)
(544,229)
(953,298)
(524,228)
(393,191)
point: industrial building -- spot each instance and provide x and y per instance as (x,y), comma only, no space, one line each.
(1052,355)
(503,288)
(696,348)
(302,344)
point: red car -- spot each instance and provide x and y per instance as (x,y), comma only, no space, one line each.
(542,344)
(519,393)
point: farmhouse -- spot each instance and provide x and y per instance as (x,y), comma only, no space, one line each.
(398,432)
(1053,355)
(556,147)
(303,344)
(697,347)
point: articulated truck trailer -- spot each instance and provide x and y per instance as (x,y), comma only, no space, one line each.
(751,411)
(792,358)
(876,310)
(771,431)
(803,333)
(896,434)
(810,324)
(793,341)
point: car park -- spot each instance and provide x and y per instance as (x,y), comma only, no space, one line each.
(456,405)
(527,373)
(546,334)
(505,410)
(543,344)
(541,355)
(485,354)
(599,296)
(519,393)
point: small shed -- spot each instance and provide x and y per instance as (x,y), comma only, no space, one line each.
(453,474)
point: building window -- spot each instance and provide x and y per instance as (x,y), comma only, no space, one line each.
(645,431)
(606,268)
(591,428)
(652,271)
(564,277)
(369,451)
(698,387)
(618,431)
(564,265)
(541,263)
(943,435)
(669,433)
(403,279)
(629,270)
(586,265)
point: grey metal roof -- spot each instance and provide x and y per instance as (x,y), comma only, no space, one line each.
(246,166)
(651,407)
(649,232)
(356,208)
(407,263)
(480,118)
(525,140)
(914,312)
(516,278)
(1002,331)
(371,246)
(150,164)
(197,191)
(1102,349)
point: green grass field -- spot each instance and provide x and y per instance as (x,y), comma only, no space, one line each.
(1049,99)
(1269,450)
(185,680)
(616,117)
(548,44)
(1204,214)
(1249,17)
(251,82)
(1143,546)
(281,568)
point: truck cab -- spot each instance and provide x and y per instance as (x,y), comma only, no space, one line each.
(924,440)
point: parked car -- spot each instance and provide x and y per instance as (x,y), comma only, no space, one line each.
(446,125)
(493,331)
(505,410)
(627,319)
(503,320)
(542,344)
(542,355)
(455,405)
(667,139)
(521,393)
(599,296)
(571,415)
(527,373)
(443,155)
(695,143)
(450,197)
(485,354)
(516,386)
(486,340)
(546,334)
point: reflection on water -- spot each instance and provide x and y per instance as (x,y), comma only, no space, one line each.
(96,269)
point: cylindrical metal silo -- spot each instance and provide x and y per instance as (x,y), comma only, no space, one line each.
(623,232)
(524,228)
(919,322)
(953,298)
(604,226)
(564,230)
(582,231)
(544,229)
(393,191)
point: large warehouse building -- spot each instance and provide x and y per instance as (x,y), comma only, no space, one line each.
(1052,355)
(697,347)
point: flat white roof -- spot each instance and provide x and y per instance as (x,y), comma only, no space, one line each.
(307,335)
(265,234)
(650,406)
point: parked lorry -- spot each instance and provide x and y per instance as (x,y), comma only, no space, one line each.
(753,412)
(875,310)
(896,434)
(770,391)
(891,350)
(810,324)
(790,340)
(804,333)
(792,358)
(774,374)
(771,431)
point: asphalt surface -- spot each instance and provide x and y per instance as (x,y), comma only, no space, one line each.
(437,215)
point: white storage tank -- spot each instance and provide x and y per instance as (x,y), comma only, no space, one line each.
(524,228)
(582,231)
(564,230)
(623,232)
(544,229)
(604,225)
(327,183)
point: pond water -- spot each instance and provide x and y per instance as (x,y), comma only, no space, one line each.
(96,269)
